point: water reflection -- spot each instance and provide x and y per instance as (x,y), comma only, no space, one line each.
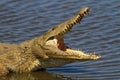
(39,75)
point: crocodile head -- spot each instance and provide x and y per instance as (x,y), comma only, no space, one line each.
(54,46)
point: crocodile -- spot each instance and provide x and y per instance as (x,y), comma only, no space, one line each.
(46,51)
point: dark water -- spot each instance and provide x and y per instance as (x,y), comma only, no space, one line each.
(98,32)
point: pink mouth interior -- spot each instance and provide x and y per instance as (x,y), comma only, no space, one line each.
(61,45)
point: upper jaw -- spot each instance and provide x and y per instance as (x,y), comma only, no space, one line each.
(63,28)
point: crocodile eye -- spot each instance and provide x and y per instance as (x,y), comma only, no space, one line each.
(52,37)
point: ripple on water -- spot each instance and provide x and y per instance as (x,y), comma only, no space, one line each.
(98,32)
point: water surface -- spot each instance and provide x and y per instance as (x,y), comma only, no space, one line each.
(99,32)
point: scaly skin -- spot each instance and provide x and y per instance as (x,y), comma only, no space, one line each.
(45,51)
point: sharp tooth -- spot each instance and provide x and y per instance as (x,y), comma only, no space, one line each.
(65,31)
(71,25)
(77,20)
(62,32)
(87,10)
(85,13)
(68,27)
(78,17)
(74,23)
(81,15)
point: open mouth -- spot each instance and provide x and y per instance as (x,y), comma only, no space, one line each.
(58,42)
(69,52)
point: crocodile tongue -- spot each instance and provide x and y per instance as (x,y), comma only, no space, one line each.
(61,45)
